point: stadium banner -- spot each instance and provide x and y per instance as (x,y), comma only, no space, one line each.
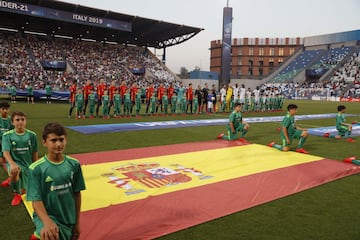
(40,94)
(43,12)
(53,65)
(350,99)
(226,46)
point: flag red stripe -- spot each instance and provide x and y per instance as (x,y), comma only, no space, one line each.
(167,213)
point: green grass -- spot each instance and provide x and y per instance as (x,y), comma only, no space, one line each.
(326,212)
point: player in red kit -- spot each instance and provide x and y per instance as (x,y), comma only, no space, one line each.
(100,92)
(72,90)
(170,92)
(149,92)
(160,93)
(189,98)
(111,91)
(122,91)
(86,91)
(133,90)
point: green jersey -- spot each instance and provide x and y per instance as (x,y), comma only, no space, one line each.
(5,125)
(289,122)
(55,184)
(21,146)
(236,119)
(91,99)
(30,90)
(13,91)
(340,119)
(47,90)
(79,100)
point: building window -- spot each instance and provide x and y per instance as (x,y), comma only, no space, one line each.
(251,51)
(292,51)
(280,60)
(281,52)
(261,71)
(272,51)
(250,72)
(239,51)
(261,62)
(261,51)
(239,61)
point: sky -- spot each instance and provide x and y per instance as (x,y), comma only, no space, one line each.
(251,18)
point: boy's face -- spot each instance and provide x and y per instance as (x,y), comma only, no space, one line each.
(293,111)
(19,122)
(55,143)
(4,112)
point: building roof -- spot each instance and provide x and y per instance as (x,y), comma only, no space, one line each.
(144,31)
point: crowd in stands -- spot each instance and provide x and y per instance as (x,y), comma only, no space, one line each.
(21,56)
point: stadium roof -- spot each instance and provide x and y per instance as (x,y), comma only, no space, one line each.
(35,16)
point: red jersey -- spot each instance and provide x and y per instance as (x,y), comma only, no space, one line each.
(86,90)
(170,92)
(189,94)
(72,90)
(160,92)
(112,90)
(100,90)
(122,90)
(149,92)
(133,91)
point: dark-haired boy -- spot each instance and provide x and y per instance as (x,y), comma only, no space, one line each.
(236,124)
(5,125)
(54,186)
(343,128)
(20,149)
(289,131)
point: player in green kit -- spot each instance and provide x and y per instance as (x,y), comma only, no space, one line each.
(79,103)
(138,102)
(236,124)
(165,102)
(91,103)
(117,104)
(105,99)
(20,149)
(173,103)
(48,92)
(127,103)
(289,131)
(54,188)
(5,125)
(343,128)
(153,104)
(30,94)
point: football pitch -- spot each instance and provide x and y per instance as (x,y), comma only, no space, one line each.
(325,212)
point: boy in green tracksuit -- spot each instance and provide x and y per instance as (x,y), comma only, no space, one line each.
(105,101)
(138,102)
(117,104)
(91,103)
(153,104)
(173,103)
(165,102)
(5,125)
(48,93)
(54,188)
(236,124)
(344,129)
(20,149)
(79,103)
(127,103)
(289,131)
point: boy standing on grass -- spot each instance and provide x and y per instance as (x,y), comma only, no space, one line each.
(20,149)
(5,125)
(54,186)
(289,131)
(236,124)
(343,128)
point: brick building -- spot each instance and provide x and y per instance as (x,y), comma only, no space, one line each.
(254,57)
